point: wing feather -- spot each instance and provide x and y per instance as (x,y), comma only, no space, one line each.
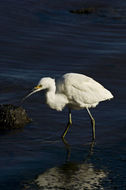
(82,89)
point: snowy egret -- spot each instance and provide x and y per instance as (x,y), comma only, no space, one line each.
(76,91)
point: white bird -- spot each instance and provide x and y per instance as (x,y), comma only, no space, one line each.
(76,91)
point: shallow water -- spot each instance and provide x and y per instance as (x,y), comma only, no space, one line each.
(43,38)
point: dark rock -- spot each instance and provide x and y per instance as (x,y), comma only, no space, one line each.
(88,10)
(102,11)
(12,117)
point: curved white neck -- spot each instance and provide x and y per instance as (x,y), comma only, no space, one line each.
(54,100)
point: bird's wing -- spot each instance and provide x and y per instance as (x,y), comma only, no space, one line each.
(83,89)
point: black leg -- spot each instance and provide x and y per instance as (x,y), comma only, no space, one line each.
(93,124)
(68,125)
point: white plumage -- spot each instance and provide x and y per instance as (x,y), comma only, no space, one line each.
(76,91)
(81,91)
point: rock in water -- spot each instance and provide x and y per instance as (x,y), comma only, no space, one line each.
(88,10)
(12,117)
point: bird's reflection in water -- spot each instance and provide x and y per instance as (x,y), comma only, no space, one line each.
(75,176)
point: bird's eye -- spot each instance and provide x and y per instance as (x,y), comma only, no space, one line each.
(39,86)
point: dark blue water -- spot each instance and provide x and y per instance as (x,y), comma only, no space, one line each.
(43,38)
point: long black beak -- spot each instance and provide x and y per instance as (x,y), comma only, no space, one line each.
(35,89)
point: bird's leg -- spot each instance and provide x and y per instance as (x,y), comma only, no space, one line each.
(67,146)
(68,125)
(93,124)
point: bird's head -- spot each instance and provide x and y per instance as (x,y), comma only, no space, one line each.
(44,83)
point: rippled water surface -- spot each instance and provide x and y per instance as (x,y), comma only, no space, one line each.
(44,38)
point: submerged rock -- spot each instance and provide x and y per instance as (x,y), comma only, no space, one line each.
(102,11)
(88,10)
(12,117)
